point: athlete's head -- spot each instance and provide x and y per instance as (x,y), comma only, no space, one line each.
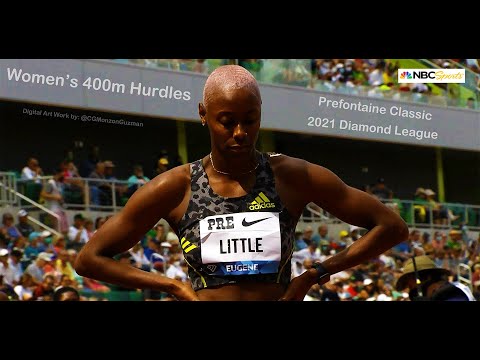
(231,108)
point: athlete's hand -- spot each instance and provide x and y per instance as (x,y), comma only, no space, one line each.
(299,287)
(184,292)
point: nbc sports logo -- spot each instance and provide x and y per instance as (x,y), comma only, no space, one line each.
(405,75)
(426,76)
(261,202)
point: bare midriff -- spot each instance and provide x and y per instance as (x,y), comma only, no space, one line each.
(242,292)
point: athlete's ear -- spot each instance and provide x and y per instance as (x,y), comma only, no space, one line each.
(202,111)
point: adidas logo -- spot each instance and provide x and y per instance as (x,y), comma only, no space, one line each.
(187,246)
(261,202)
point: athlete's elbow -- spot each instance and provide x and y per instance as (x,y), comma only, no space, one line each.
(399,229)
(83,264)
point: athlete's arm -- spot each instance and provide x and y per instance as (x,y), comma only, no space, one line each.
(327,190)
(155,200)
(386,228)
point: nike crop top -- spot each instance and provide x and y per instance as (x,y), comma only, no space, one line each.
(233,240)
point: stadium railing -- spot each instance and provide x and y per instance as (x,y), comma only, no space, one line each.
(415,214)
(9,196)
(116,193)
(27,193)
(464,275)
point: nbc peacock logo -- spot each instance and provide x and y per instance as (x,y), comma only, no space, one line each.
(406,75)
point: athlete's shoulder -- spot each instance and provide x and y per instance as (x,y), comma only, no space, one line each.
(176,177)
(282,162)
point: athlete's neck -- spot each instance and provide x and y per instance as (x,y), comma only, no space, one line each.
(236,165)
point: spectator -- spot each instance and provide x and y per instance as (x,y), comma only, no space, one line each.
(471,103)
(416,243)
(100,191)
(23,225)
(376,77)
(7,273)
(310,252)
(175,270)
(119,188)
(355,232)
(14,263)
(10,232)
(322,239)
(476,277)
(440,213)
(53,195)
(63,265)
(420,205)
(36,270)
(109,169)
(473,64)
(59,244)
(200,66)
(381,191)
(99,221)
(93,158)
(425,281)
(141,260)
(456,241)
(299,242)
(24,289)
(330,291)
(35,246)
(369,291)
(160,235)
(344,241)
(66,281)
(73,182)
(89,227)
(44,291)
(137,180)
(307,235)
(427,244)
(77,234)
(162,163)
(32,171)
(66,293)
(387,259)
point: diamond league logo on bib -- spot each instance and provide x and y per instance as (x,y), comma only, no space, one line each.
(241,244)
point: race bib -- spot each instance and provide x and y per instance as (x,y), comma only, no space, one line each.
(241,243)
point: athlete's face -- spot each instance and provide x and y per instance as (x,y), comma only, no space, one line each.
(233,118)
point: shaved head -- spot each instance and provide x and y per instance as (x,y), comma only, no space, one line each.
(229,77)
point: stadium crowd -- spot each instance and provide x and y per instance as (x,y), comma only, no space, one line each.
(365,77)
(35,264)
